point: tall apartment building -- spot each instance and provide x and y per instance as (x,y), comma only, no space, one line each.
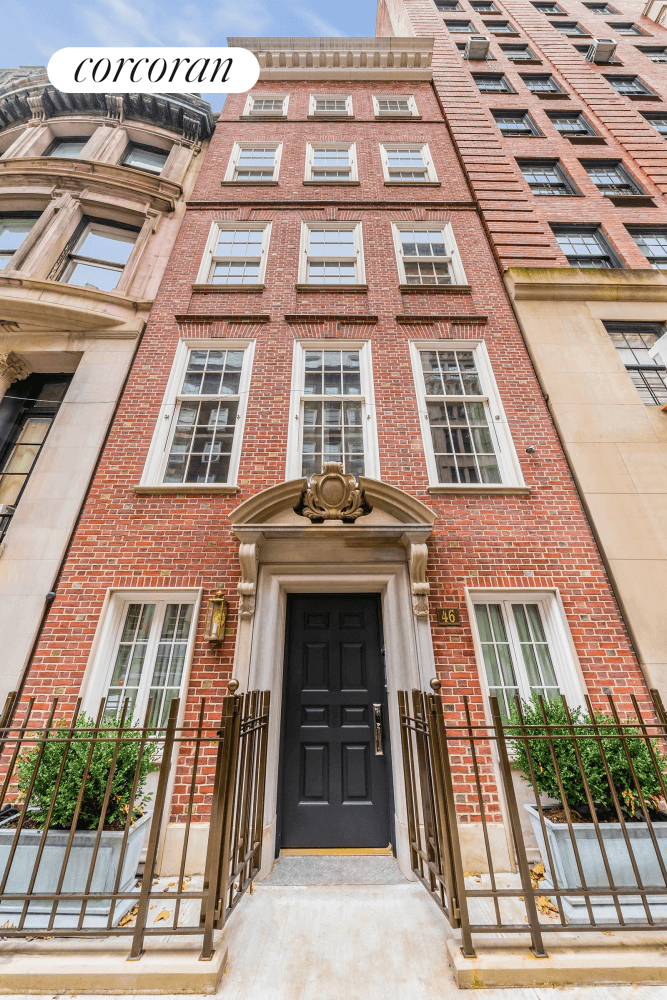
(564,144)
(92,192)
(333,423)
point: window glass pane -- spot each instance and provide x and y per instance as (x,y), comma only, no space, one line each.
(498,664)
(102,246)
(104,279)
(13,232)
(535,650)
(130,658)
(332,428)
(169,661)
(68,149)
(151,160)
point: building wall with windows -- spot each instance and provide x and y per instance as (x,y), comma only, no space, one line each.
(567,160)
(332,297)
(92,193)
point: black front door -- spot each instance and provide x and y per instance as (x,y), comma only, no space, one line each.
(335,784)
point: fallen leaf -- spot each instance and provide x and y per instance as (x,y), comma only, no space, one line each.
(608,933)
(170,883)
(162,915)
(546,906)
(129,916)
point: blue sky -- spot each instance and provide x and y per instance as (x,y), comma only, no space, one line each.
(34,29)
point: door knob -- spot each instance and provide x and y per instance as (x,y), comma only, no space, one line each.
(377,726)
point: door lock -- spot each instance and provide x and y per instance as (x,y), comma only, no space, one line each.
(377,726)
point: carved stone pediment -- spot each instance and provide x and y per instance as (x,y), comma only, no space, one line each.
(333,495)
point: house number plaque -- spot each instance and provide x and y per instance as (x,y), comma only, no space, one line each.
(449,616)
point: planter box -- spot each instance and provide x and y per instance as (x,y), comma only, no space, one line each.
(104,876)
(592,863)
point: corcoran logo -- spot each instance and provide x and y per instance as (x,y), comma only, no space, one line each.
(153,70)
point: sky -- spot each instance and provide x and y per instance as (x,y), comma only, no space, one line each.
(34,29)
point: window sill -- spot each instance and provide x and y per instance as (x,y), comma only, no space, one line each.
(435,289)
(248,183)
(398,118)
(642,97)
(546,96)
(345,289)
(262,118)
(332,183)
(421,184)
(631,200)
(478,488)
(208,288)
(524,62)
(169,489)
(330,118)
(586,140)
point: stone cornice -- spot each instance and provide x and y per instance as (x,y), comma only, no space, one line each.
(341,58)
(581,284)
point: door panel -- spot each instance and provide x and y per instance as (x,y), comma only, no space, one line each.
(334,786)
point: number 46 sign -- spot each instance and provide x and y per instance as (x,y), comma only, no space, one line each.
(448,616)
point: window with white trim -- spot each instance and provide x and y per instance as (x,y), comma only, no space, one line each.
(334,412)
(331,162)
(197,440)
(254,162)
(467,441)
(144,656)
(266,105)
(524,648)
(235,254)
(394,106)
(331,254)
(427,254)
(331,105)
(409,162)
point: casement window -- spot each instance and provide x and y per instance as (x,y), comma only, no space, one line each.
(144,654)
(585,246)
(634,341)
(611,178)
(500,28)
(522,643)
(541,84)
(198,434)
(394,106)
(658,121)
(546,177)
(653,244)
(629,86)
(569,28)
(331,254)
(548,8)
(235,254)
(407,162)
(266,105)
(147,158)
(484,7)
(254,162)
(14,227)
(656,53)
(331,162)
(465,433)
(460,26)
(448,5)
(519,53)
(427,254)
(515,123)
(334,410)
(625,28)
(571,123)
(330,106)
(493,83)
(601,8)
(97,254)
(69,148)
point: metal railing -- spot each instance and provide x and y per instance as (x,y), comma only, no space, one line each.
(6,514)
(76,816)
(578,797)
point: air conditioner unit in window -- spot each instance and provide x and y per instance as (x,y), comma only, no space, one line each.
(477,47)
(601,50)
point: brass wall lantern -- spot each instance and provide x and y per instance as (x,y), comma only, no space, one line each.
(216,618)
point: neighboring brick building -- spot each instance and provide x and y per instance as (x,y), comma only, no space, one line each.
(537,119)
(332,296)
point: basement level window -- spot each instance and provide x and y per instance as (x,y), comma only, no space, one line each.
(633,341)
(653,244)
(516,123)
(656,53)
(546,177)
(585,246)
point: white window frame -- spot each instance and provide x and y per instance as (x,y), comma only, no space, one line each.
(508,461)
(158,453)
(312,105)
(431,176)
(354,227)
(112,617)
(454,258)
(239,147)
(351,148)
(412,111)
(563,653)
(208,258)
(297,397)
(250,105)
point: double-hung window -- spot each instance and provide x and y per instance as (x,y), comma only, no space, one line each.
(331,106)
(500,28)
(571,123)
(515,123)
(492,83)
(197,440)
(611,178)
(634,342)
(97,254)
(254,162)
(331,162)
(629,86)
(407,163)
(395,106)
(541,84)
(147,158)
(601,8)
(331,254)
(659,122)
(334,414)
(465,27)
(67,148)
(653,244)
(448,5)
(13,230)
(145,651)
(519,53)
(546,177)
(484,7)
(465,434)
(656,53)
(548,8)
(568,27)
(524,648)
(585,246)
(235,254)
(625,28)
(427,255)
(266,105)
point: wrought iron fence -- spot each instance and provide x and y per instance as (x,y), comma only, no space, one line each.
(76,814)
(554,819)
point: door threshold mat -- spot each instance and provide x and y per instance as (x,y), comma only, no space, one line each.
(335,870)
(295,852)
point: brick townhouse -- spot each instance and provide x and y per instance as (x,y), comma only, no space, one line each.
(333,424)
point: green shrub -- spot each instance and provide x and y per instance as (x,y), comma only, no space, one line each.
(593,764)
(98,775)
